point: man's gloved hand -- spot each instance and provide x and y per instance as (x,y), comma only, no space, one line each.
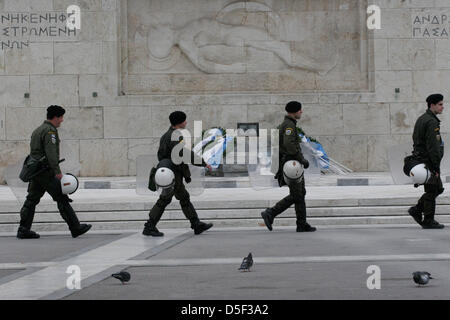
(280,179)
(188,179)
(305,164)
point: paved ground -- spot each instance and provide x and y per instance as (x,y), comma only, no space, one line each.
(335,280)
(329,264)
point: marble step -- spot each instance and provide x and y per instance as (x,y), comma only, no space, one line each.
(222,223)
(221,214)
(239,181)
(142,205)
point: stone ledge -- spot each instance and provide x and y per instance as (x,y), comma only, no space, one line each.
(353,182)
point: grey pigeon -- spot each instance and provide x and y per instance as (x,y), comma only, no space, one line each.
(421,277)
(247,263)
(123,276)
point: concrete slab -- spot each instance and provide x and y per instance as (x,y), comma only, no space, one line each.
(353,182)
(97,185)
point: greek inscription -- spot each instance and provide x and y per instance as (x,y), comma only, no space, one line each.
(17,28)
(427,25)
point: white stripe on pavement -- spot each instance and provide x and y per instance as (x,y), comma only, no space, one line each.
(277,260)
(17,265)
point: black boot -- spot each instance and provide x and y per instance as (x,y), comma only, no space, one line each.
(305,227)
(68,214)
(151,230)
(431,224)
(24,233)
(82,229)
(27,214)
(268,219)
(199,227)
(416,214)
(428,216)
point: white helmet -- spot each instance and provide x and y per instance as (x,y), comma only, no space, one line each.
(420,174)
(164,178)
(292,171)
(69,183)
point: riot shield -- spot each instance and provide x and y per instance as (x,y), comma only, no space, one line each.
(73,167)
(313,171)
(145,163)
(17,186)
(197,184)
(261,175)
(445,162)
(396,156)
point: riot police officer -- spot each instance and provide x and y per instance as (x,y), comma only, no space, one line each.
(289,144)
(429,149)
(180,171)
(44,145)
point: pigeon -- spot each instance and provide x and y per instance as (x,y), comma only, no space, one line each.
(123,276)
(421,277)
(247,263)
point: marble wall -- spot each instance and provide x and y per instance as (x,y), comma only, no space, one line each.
(222,62)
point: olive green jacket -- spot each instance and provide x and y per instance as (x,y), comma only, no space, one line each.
(45,142)
(428,144)
(290,141)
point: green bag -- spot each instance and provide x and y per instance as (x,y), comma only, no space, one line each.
(30,167)
(151,180)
